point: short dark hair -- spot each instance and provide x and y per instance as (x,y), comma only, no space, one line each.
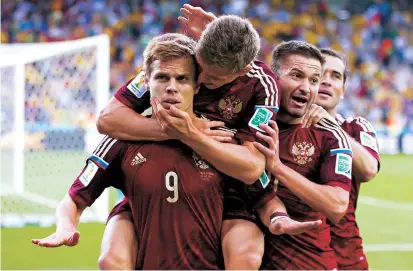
(294,47)
(331,52)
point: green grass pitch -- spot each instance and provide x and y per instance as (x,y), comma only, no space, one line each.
(385,215)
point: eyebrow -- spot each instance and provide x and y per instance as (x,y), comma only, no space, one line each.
(302,72)
(337,72)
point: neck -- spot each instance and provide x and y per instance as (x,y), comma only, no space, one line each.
(284,117)
(332,112)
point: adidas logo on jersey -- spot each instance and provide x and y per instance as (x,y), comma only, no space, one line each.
(138,159)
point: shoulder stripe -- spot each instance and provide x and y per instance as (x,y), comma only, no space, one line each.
(361,124)
(101,143)
(340,119)
(99,161)
(113,141)
(103,146)
(335,151)
(366,125)
(270,86)
(343,141)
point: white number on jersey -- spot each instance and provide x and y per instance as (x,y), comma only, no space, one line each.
(174,187)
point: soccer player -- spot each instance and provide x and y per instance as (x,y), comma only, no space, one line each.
(234,87)
(175,196)
(312,165)
(345,235)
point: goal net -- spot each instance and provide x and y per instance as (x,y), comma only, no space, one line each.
(51,94)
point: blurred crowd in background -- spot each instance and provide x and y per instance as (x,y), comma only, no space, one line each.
(375,36)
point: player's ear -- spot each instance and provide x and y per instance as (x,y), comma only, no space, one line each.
(196,88)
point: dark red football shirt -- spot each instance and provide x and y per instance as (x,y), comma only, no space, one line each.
(345,235)
(176,199)
(323,155)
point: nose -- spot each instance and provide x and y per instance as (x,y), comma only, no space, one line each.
(326,80)
(305,86)
(172,87)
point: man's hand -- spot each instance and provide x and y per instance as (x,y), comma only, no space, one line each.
(207,126)
(177,124)
(57,239)
(314,115)
(271,152)
(286,225)
(196,19)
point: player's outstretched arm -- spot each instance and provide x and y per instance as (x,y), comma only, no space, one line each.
(121,122)
(332,201)
(274,215)
(67,218)
(244,163)
(195,19)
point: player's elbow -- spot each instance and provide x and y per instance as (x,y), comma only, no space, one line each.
(369,172)
(339,209)
(103,126)
(112,262)
(254,174)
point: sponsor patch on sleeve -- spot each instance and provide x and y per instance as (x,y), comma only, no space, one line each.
(343,164)
(261,115)
(137,85)
(89,173)
(368,141)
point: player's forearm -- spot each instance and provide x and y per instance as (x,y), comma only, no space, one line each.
(244,163)
(272,206)
(365,166)
(68,215)
(330,201)
(124,123)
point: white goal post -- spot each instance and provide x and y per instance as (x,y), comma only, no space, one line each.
(51,94)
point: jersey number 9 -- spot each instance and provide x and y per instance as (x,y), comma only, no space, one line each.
(174,187)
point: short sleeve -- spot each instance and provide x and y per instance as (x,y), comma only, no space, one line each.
(134,95)
(264,102)
(337,156)
(102,170)
(363,132)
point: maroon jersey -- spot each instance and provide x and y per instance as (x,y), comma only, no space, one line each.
(345,235)
(175,196)
(234,103)
(323,155)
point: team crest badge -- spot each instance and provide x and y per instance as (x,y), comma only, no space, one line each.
(201,163)
(302,152)
(230,107)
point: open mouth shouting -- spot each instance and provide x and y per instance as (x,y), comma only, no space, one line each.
(300,100)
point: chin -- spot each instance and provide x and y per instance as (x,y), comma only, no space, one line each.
(211,86)
(297,113)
